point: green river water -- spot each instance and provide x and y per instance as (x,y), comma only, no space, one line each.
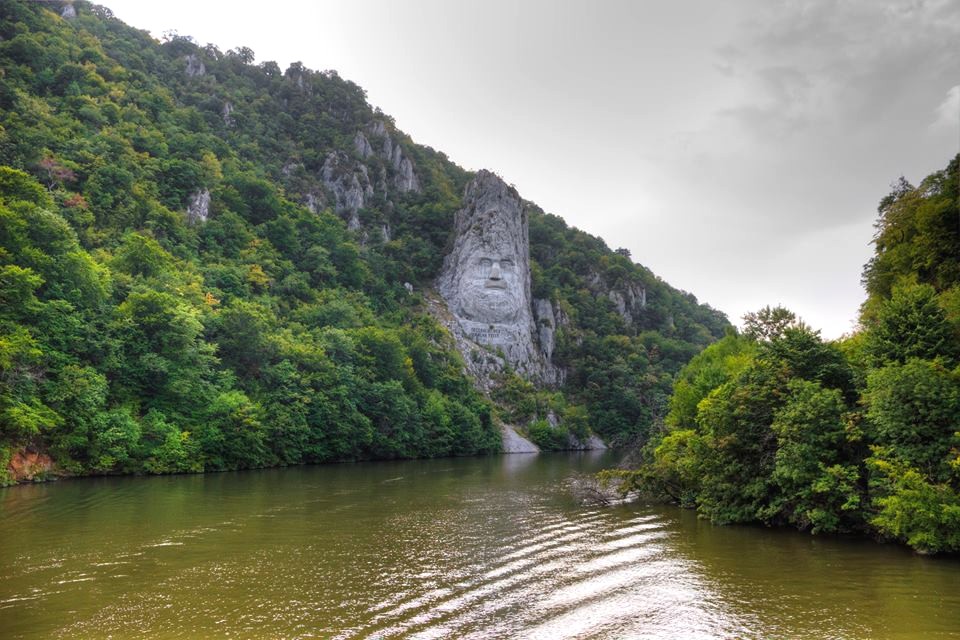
(483,548)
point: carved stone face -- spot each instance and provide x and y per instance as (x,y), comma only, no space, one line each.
(490,287)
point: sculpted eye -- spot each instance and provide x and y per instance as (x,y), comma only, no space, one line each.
(506,264)
(485,263)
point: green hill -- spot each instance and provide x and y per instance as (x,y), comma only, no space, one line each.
(203,263)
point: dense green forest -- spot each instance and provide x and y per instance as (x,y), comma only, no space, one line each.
(859,435)
(181,289)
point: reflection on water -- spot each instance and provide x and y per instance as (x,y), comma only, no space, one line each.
(481,547)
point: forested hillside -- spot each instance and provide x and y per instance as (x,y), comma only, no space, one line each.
(203,262)
(859,435)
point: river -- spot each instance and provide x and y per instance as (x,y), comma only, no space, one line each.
(491,547)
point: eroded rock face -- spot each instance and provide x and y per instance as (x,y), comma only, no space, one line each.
(513,442)
(404,177)
(68,12)
(630,301)
(198,209)
(314,202)
(195,66)
(486,280)
(362,145)
(28,464)
(227,113)
(546,326)
(350,184)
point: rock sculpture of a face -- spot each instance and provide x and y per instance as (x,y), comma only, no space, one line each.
(486,276)
(490,287)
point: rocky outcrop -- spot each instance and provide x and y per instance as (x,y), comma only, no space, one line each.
(629,301)
(198,209)
(485,283)
(349,182)
(362,145)
(227,113)
(29,464)
(194,67)
(546,326)
(349,179)
(574,443)
(69,12)
(590,443)
(314,202)
(404,177)
(480,362)
(513,442)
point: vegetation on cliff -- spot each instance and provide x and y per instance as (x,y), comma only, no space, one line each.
(203,258)
(858,435)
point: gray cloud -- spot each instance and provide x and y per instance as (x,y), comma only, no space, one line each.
(871,61)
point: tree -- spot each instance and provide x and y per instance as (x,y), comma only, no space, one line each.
(115,437)
(806,356)
(914,408)
(912,325)
(817,484)
(709,369)
(735,484)
(141,255)
(912,509)
(768,323)
(19,186)
(232,433)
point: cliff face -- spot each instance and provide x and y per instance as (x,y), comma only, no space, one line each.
(485,282)
(355,180)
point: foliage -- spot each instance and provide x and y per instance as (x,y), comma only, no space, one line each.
(709,369)
(547,436)
(768,323)
(780,427)
(911,508)
(911,324)
(913,408)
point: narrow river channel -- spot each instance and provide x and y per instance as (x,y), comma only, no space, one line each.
(482,547)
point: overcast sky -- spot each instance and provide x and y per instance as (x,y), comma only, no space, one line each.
(738,149)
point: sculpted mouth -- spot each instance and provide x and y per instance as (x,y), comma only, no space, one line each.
(495,284)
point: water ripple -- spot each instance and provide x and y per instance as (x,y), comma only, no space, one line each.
(447,549)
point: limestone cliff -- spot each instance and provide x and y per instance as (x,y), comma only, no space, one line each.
(380,168)
(485,283)
(350,184)
(198,210)
(194,67)
(404,177)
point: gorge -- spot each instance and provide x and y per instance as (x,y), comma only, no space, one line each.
(272,345)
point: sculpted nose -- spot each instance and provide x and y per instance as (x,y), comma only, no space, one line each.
(495,271)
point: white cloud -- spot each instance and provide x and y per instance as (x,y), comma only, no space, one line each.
(947,114)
